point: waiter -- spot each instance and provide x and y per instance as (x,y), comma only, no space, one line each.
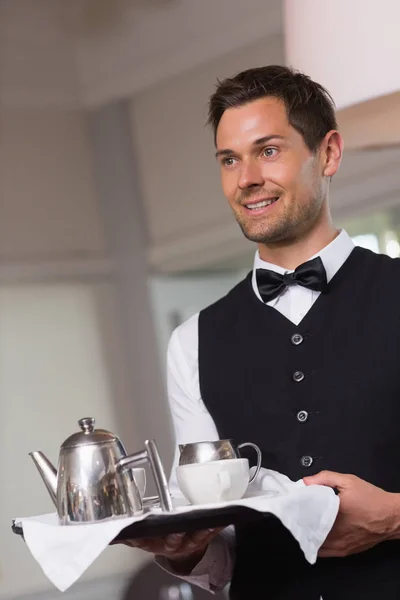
(301,357)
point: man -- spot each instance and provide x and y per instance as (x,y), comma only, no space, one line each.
(300,357)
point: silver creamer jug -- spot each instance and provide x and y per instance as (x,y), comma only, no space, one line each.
(209,451)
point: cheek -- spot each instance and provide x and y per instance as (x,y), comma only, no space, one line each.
(229,185)
(299,181)
(309,174)
(281,176)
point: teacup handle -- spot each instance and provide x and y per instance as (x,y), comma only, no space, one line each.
(259,457)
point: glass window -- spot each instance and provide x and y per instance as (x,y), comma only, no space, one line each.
(378,231)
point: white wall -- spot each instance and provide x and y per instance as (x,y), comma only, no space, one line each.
(48,202)
(60,332)
(348,26)
(55,367)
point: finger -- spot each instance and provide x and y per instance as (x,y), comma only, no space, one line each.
(341,550)
(198,539)
(124,543)
(173,541)
(136,541)
(213,531)
(201,539)
(328,478)
(202,534)
(330,553)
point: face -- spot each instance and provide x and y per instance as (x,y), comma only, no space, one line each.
(275,185)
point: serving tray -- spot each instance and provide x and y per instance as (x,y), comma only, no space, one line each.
(158,525)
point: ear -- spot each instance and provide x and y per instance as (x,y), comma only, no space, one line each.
(331,153)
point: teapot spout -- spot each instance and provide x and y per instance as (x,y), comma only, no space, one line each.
(48,473)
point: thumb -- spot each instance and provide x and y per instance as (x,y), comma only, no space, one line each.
(328,478)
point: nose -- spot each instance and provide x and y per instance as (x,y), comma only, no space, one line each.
(250,176)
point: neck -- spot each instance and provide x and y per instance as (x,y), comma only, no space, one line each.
(291,254)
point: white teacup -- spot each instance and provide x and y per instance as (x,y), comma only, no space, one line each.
(215,481)
(139,476)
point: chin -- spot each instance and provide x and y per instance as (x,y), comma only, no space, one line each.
(265,236)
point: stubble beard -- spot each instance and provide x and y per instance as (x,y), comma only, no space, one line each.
(285,227)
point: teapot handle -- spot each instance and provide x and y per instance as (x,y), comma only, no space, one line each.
(259,457)
(159,475)
(151,455)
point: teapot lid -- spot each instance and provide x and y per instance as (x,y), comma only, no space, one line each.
(88,435)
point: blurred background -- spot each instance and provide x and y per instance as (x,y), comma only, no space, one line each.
(113,227)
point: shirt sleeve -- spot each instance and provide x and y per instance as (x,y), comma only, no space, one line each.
(214,572)
(192,423)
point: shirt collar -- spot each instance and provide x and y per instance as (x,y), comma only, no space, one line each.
(333,256)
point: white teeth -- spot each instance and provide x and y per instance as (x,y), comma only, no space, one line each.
(261,204)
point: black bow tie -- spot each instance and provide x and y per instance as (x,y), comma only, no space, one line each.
(310,274)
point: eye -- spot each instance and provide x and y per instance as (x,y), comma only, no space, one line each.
(269,152)
(229,161)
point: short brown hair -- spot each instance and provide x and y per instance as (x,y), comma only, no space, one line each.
(310,108)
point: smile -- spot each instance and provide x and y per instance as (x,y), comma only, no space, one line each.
(261,204)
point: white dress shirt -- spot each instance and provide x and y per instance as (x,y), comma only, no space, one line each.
(192,421)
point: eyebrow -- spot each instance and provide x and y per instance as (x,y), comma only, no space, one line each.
(258,142)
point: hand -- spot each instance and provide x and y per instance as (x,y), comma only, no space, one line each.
(367,514)
(183,550)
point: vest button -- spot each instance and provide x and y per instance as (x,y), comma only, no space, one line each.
(302,416)
(298,376)
(297,339)
(306,461)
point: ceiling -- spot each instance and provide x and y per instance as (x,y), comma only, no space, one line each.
(88,52)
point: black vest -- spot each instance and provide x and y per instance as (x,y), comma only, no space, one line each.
(321,395)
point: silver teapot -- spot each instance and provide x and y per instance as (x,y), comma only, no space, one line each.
(201,452)
(94,479)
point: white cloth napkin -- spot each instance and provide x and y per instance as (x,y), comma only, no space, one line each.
(65,552)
